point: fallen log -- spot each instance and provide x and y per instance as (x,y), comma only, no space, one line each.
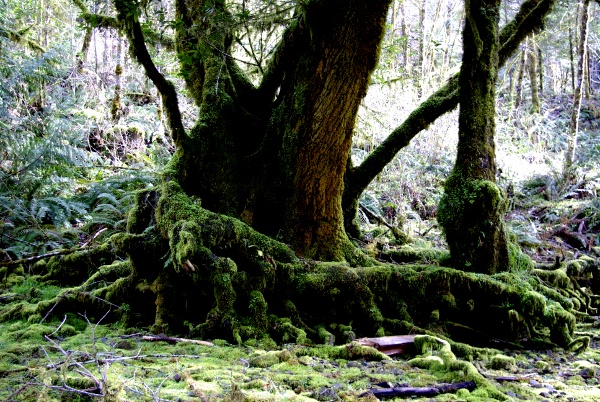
(419,391)
(391,345)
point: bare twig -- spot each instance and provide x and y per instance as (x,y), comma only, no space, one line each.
(94,237)
(61,324)
(55,304)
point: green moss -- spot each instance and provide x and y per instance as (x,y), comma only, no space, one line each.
(267,359)
(557,278)
(518,261)
(432,346)
(258,308)
(351,351)
(409,253)
(576,380)
(437,355)
(542,365)
(502,362)
(286,332)
(533,304)
(73,269)
(470,211)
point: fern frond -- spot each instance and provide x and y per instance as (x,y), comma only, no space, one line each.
(109,197)
(107,209)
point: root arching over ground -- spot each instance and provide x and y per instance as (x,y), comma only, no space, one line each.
(193,272)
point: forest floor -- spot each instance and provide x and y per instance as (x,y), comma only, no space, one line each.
(72,359)
(42,362)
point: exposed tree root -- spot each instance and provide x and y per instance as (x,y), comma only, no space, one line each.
(198,273)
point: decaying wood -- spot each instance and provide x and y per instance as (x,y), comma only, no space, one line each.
(420,391)
(391,345)
(164,338)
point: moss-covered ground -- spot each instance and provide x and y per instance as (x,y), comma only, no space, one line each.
(55,352)
(73,359)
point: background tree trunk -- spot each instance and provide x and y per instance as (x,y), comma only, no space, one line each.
(540,60)
(116,109)
(472,206)
(421,50)
(522,68)
(532,68)
(577,93)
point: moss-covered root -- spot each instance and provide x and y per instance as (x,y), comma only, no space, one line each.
(471,214)
(436,354)
(73,269)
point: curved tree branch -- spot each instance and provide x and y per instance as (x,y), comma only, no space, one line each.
(529,18)
(20,36)
(101,21)
(259,99)
(126,14)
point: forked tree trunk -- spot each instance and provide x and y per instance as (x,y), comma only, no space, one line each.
(275,155)
(472,206)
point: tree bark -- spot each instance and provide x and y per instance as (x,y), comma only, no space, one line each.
(471,209)
(332,78)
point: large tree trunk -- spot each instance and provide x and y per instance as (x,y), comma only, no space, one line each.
(279,162)
(328,85)
(472,207)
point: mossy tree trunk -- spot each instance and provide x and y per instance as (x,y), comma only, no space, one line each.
(275,154)
(319,108)
(472,206)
